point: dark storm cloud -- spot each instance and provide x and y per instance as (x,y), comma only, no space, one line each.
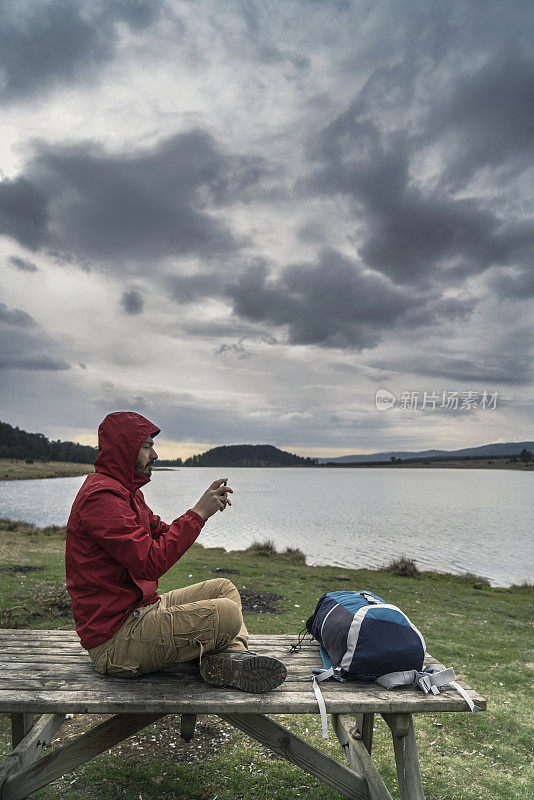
(494,371)
(68,258)
(434,308)
(334,302)
(513,284)
(448,108)
(47,43)
(188,288)
(23,264)
(132,302)
(23,212)
(486,119)
(24,345)
(510,364)
(134,207)
(409,231)
(14,316)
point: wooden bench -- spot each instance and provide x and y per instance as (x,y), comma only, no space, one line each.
(47,673)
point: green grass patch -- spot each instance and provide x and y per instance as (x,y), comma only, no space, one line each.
(484,633)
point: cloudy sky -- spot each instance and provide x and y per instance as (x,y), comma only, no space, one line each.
(242,219)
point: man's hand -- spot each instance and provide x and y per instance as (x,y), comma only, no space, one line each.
(214,499)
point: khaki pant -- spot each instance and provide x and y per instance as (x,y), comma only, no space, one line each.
(185,623)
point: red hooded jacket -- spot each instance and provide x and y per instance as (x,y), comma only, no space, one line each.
(116,547)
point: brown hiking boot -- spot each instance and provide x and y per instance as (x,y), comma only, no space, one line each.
(243,670)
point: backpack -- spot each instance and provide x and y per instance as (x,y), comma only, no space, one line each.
(362,637)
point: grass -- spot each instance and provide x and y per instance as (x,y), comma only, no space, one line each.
(15,469)
(296,554)
(485,634)
(403,566)
(266,548)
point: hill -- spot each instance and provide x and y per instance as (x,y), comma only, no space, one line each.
(248,455)
(498,449)
(19,444)
(15,443)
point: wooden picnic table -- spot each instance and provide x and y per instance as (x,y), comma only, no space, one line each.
(47,674)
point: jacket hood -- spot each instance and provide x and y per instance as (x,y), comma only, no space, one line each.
(120,436)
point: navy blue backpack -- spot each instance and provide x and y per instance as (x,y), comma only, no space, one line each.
(363,637)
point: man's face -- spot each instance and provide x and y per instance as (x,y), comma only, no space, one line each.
(147,457)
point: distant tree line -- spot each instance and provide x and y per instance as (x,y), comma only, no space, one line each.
(525,456)
(248,455)
(15,443)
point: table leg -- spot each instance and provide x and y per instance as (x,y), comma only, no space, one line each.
(21,724)
(406,756)
(364,723)
(187,726)
(352,743)
(18,785)
(286,744)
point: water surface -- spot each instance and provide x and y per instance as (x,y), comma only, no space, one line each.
(452,520)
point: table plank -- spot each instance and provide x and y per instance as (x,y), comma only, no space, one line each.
(49,671)
(187,699)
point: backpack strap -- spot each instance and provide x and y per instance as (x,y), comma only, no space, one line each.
(320,701)
(431,679)
(296,646)
(319,676)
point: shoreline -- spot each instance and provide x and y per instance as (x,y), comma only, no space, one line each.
(19,470)
(403,566)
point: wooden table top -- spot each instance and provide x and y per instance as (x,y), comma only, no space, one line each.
(49,671)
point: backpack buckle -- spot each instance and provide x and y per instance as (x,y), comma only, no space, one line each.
(424,683)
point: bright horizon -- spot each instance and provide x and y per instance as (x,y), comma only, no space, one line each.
(170,450)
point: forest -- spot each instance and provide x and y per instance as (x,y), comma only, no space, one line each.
(16,443)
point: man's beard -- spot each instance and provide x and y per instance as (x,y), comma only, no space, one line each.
(144,470)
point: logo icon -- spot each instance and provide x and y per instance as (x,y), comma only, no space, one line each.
(384,400)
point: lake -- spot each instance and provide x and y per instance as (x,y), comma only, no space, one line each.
(452,520)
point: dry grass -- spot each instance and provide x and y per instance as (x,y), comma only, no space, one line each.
(16,469)
(266,548)
(403,566)
(295,554)
(48,600)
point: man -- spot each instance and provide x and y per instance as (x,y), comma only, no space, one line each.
(116,551)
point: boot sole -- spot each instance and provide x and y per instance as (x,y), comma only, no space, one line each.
(256,674)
